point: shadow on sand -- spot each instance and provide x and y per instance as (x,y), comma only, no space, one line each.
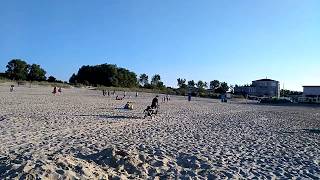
(109,116)
(312,131)
(283,104)
(317,131)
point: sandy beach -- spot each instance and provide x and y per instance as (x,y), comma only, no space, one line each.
(81,134)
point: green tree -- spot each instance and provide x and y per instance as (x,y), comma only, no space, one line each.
(214,84)
(36,73)
(156,79)
(201,85)
(191,84)
(201,88)
(73,79)
(144,79)
(17,69)
(287,93)
(224,87)
(156,82)
(52,79)
(107,75)
(182,83)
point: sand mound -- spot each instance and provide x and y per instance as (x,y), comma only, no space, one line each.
(139,163)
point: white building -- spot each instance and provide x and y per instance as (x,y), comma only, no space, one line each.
(311,91)
(311,94)
(261,87)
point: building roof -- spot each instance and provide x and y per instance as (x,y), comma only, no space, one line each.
(264,80)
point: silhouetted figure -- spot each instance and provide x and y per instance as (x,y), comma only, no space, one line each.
(136,94)
(108,93)
(155,102)
(104,92)
(60,90)
(54,90)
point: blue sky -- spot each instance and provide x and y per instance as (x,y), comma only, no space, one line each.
(236,41)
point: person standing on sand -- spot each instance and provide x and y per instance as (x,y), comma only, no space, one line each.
(54,90)
(60,90)
(137,94)
(108,93)
(155,102)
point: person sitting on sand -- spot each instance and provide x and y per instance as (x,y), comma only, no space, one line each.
(11,88)
(129,106)
(155,102)
(119,98)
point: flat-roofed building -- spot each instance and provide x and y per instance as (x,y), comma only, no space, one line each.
(261,87)
(311,94)
(311,91)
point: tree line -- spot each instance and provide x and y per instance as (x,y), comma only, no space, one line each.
(20,70)
(112,75)
(200,88)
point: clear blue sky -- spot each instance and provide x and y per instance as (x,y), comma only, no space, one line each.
(236,41)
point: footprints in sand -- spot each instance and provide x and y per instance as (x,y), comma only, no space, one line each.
(203,139)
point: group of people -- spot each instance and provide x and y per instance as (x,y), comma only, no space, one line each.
(55,91)
(166,98)
(107,92)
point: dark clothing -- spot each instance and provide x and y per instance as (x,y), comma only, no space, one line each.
(54,90)
(154,102)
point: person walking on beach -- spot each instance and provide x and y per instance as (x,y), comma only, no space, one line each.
(189,97)
(137,94)
(108,93)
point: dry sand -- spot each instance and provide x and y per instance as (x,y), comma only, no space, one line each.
(83,135)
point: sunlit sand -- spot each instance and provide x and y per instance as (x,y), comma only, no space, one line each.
(81,134)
